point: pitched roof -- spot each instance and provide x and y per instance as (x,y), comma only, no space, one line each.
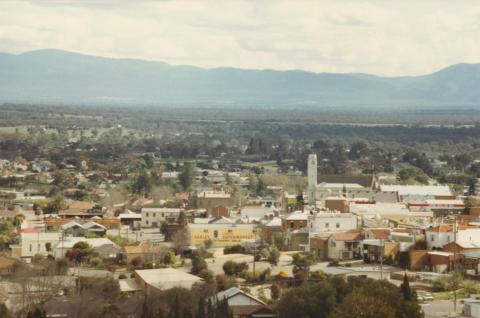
(232,291)
(444,228)
(380,233)
(348,236)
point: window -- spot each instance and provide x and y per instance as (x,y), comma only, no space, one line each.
(146,222)
(337,225)
(154,214)
(432,238)
(327,225)
(147,214)
(163,214)
(215,234)
(31,247)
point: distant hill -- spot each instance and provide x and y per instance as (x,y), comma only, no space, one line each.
(57,76)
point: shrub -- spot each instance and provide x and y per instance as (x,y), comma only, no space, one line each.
(95,261)
(234,249)
(122,276)
(198,264)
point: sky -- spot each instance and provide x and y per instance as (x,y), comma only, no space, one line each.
(382,37)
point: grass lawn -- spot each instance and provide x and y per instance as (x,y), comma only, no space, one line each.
(449,294)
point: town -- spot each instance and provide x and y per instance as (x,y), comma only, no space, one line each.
(215,236)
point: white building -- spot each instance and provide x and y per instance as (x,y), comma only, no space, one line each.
(409,193)
(439,236)
(32,244)
(103,246)
(332,222)
(154,217)
(237,297)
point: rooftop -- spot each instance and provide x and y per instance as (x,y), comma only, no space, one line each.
(166,278)
(419,190)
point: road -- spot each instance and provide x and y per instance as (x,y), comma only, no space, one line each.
(441,308)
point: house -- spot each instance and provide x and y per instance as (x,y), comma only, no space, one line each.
(35,243)
(244,305)
(377,233)
(73,228)
(345,245)
(439,236)
(79,229)
(105,248)
(164,278)
(295,220)
(145,252)
(236,297)
(210,199)
(332,222)
(131,219)
(256,212)
(270,228)
(254,311)
(375,250)
(154,217)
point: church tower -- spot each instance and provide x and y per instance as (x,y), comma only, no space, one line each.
(312,178)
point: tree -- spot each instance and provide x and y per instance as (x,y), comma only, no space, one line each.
(198,264)
(186,176)
(142,184)
(180,240)
(80,252)
(232,268)
(405,287)
(307,301)
(201,308)
(273,256)
(169,258)
(302,262)
(36,313)
(357,305)
(54,205)
(275,291)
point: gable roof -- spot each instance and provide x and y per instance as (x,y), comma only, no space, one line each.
(232,291)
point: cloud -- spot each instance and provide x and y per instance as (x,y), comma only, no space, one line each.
(380,37)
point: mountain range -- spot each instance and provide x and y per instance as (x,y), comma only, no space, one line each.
(56,76)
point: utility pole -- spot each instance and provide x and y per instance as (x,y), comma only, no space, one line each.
(455,228)
(381,259)
(254,250)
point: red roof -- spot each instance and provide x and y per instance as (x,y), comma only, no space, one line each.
(380,234)
(348,236)
(27,230)
(449,228)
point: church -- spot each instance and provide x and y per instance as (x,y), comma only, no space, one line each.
(322,186)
